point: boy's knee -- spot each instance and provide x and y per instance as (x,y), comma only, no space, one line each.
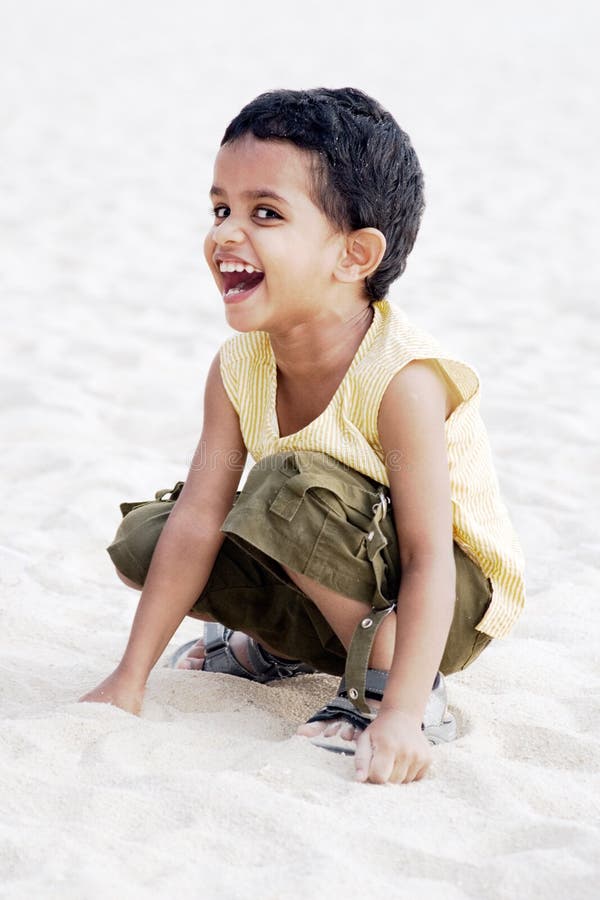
(129,564)
(128,581)
(133,545)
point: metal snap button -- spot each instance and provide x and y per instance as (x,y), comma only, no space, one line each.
(366,623)
(353,693)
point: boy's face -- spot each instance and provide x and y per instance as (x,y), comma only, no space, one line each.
(271,250)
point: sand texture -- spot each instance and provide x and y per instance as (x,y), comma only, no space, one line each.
(109,120)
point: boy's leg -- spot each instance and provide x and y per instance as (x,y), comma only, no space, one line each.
(463,646)
(194,659)
(290,542)
(344,615)
(315,520)
(241,593)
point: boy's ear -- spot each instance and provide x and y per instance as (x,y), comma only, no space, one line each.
(363,251)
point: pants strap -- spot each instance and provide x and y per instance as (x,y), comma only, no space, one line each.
(359,651)
(287,503)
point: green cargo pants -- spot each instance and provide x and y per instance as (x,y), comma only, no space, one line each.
(312,514)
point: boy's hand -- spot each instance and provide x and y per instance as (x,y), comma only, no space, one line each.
(118,690)
(392,748)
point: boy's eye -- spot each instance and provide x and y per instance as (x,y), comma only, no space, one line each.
(263,212)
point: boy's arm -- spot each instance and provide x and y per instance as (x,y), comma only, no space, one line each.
(411,431)
(187,548)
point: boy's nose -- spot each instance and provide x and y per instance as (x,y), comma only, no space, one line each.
(228,232)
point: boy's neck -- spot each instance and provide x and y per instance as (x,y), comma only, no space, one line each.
(320,346)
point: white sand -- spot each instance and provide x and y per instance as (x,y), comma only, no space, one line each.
(109,119)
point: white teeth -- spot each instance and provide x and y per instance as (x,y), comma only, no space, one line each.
(237,267)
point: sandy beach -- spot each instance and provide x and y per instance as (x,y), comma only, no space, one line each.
(110,117)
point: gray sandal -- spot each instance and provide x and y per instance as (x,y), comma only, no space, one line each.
(219,657)
(439,725)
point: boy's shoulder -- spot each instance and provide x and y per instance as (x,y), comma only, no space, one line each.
(399,341)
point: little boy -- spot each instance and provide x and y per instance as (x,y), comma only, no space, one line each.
(370,538)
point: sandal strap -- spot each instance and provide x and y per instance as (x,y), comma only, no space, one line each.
(342,706)
(375,682)
(275,667)
(437,724)
(218,656)
(265,666)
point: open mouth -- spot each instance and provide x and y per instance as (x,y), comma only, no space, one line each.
(237,285)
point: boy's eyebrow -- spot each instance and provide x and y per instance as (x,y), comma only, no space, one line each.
(261,193)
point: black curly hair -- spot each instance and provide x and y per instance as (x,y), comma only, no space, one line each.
(365,170)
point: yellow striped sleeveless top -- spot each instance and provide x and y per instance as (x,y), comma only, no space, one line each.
(347,430)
